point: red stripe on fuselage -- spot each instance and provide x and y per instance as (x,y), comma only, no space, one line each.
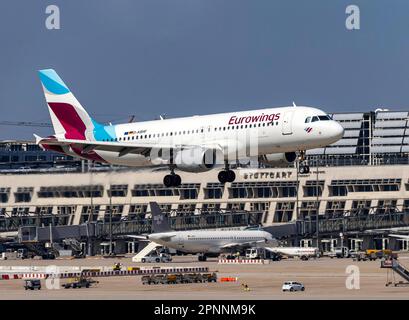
(71,121)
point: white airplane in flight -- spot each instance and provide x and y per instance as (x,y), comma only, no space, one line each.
(203,242)
(193,144)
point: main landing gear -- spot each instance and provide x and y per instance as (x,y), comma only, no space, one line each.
(172,180)
(201,257)
(226,175)
(302,167)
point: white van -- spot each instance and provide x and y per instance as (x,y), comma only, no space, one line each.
(162,257)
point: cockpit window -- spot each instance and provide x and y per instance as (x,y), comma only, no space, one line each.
(324,118)
(314,118)
(308,119)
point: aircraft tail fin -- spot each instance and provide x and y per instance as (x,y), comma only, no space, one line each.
(160,222)
(70,120)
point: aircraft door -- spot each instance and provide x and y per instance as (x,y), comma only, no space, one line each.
(180,242)
(287,127)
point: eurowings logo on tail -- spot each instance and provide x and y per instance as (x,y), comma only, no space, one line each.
(69,118)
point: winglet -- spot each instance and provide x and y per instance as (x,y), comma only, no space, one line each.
(38,138)
(50,140)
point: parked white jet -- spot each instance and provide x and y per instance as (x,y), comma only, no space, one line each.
(193,144)
(203,242)
(301,252)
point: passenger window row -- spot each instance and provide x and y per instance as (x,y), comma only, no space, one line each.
(167,134)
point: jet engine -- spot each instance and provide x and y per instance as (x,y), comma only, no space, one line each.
(196,159)
(278,159)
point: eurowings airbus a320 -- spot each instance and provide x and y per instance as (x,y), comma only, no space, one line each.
(193,144)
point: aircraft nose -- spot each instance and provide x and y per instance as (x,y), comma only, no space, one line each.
(337,131)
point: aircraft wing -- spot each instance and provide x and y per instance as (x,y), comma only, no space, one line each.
(230,245)
(140,237)
(165,238)
(241,244)
(399,236)
(122,147)
(146,237)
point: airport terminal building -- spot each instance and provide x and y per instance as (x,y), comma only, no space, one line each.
(358,187)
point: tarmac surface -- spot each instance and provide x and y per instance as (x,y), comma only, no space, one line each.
(323,278)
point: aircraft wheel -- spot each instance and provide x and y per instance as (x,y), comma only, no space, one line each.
(177,180)
(231,176)
(168,181)
(172,180)
(222,176)
(202,258)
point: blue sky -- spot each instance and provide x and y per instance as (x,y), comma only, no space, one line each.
(185,57)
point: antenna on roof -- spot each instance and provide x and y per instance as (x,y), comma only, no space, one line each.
(162,117)
(294,105)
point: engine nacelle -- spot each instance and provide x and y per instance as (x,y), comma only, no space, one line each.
(196,159)
(278,159)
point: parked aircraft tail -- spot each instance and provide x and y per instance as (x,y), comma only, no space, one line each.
(160,222)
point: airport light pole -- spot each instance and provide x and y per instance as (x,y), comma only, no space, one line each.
(317,206)
(110,221)
(297,168)
(297,209)
(91,215)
